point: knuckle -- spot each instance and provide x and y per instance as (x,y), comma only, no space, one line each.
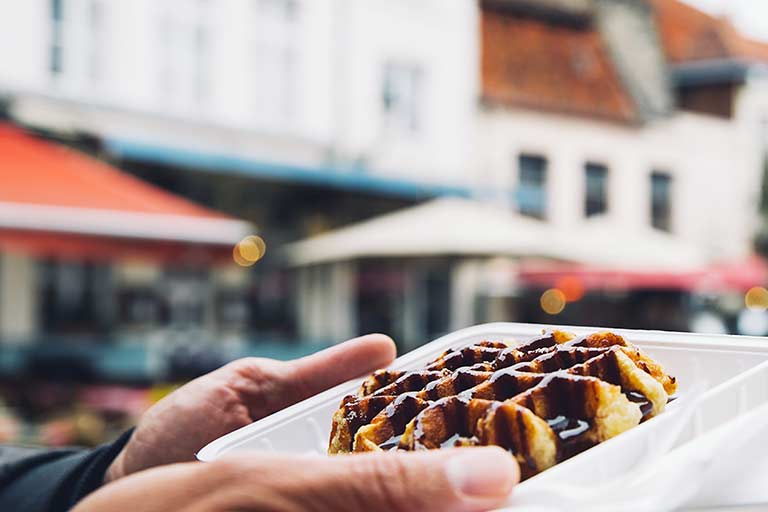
(388,483)
(255,369)
(227,469)
(221,394)
(244,364)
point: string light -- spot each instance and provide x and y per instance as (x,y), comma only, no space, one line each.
(757,298)
(249,250)
(553,301)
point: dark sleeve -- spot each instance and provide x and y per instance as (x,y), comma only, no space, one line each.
(53,480)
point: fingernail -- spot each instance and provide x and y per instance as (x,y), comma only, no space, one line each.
(482,472)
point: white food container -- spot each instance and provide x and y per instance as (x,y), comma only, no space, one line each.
(676,459)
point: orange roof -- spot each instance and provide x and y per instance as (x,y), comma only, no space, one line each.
(43,173)
(532,62)
(49,188)
(690,34)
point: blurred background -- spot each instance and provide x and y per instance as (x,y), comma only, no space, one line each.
(414,167)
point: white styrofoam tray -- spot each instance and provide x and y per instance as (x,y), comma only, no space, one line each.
(724,372)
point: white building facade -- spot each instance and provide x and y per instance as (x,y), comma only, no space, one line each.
(357,90)
(326,86)
(712,171)
(365,95)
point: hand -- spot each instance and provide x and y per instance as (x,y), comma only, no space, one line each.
(449,480)
(235,395)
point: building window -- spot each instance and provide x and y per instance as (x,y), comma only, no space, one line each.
(138,307)
(661,201)
(76,298)
(96,43)
(532,193)
(57,37)
(185,40)
(186,293)
(282,10)
(401,98)
(274,61)
(596,196)
(202,69)
(167,63)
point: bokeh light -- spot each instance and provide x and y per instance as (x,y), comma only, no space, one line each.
(757,298)
(249,250)
(553,301)
(572,287)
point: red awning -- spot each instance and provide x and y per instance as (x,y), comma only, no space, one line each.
(69,246)
(735,276)
(59,202)
(548,275)
(738,275)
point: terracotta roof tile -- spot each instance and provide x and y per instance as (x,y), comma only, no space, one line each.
(530,62)
(35,171)
(689,34)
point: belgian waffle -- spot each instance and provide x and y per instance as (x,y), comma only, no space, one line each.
(544,400)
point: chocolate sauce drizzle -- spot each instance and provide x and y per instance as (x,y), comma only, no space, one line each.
(492,373)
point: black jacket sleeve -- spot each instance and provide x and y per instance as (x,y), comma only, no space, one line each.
(36,480)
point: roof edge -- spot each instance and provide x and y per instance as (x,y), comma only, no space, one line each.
(710,71)
(574,13)
(123,224)
(490,103)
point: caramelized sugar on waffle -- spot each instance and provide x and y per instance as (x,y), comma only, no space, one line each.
(545,400)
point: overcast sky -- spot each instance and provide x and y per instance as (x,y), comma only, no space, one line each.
(751,16)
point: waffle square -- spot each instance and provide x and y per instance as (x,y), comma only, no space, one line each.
(544,400)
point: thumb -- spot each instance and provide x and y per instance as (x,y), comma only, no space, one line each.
(452,480)
(317,372)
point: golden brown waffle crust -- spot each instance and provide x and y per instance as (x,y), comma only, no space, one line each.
(528,397)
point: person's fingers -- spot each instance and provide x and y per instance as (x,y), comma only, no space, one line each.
(317,372)
(464,479)
(178,487)
(266,386)
(451,480)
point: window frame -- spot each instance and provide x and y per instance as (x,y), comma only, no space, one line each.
(57,10)
(602,202)
(657,176)
(525,187)
(275,45)
(394,74)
